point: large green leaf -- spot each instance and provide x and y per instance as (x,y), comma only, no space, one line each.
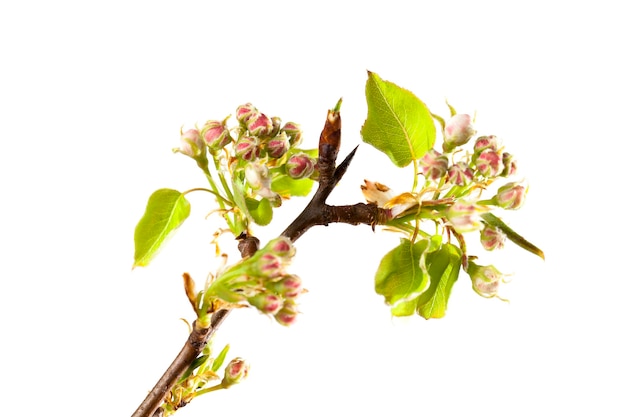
(444,266)
(166,210)
(398,123)
(400,277)
(495,221)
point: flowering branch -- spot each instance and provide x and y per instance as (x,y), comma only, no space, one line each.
(259,163)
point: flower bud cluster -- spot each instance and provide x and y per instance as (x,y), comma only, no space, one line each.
(260,150)
(263,135)
(266,148)
(274,291)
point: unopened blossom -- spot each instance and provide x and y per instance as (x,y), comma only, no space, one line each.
(191,144)
(460,174)
(270,265)
(277,146)
(235,372)
(293,131)
(510,165)
(287,314)
(216,134)
(434,165)
(266,303)
(276,122)
(486,142)
(486,280)
(300,165)
(245,112)
(289,286)
(247,148)
(259,125)
(282,246)
(492,238)
(510,196)
(465,216)
(458,131)
(489,163)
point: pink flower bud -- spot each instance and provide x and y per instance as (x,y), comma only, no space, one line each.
(235,372)
(300,165)
(510,196)
(275,126)
(294,132)
(489,163)
(282,246)
(287,315)
(270,265)
(245,112)
(457,132)
(259,125)
(485,279)
(247,148)
(277,146)
(486,142)
(434,165)
(191,144)
(510,165)
(216,134)
(266,303)
(464,216)
(460,174)
(290,286)
(492,238)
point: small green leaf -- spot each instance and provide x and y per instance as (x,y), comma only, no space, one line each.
(166,210)
(398,123)
(200,360)
(260,211)
(399,277)
(495,221)
(217,363)
(444,267)
(287,187)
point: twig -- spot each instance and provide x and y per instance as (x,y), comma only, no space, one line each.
(317,212)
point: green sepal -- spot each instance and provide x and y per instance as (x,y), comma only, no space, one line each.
(495,221)
(398,123)
(166,210)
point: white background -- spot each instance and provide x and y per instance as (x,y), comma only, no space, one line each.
(92,97)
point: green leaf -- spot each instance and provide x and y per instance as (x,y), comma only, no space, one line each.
(260,211)
(495,221)
(399,277)
(200,360)
(217,363)
(166,210)
(398,123)
(444,267)
(289,187)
